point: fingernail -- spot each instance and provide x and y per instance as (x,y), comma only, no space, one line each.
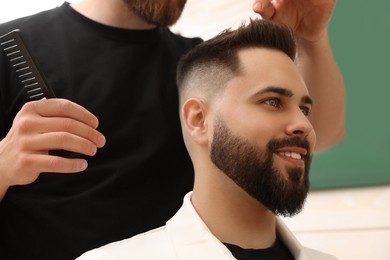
(83,165)
(93,151)
(101,141)
(257,6)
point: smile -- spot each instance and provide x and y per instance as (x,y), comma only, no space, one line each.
(293,155)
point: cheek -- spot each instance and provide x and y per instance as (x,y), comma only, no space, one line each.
(262,129)
(251,121)
(254,126)
(312,138)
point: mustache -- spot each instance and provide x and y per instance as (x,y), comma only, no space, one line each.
(291,141)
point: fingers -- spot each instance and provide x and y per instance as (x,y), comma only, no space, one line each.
(264,8)
(47,163)
(61,108)
(58,115)
(30,166)
(42,126)
(58,125)
(61,141)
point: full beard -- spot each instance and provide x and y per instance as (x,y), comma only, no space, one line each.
(157,12)
(253,170)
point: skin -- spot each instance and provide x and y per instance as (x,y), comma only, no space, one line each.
(315,63)
(219,201)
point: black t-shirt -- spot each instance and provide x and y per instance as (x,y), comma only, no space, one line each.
(278,251)
(138,180)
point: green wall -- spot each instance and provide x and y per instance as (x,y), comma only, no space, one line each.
(360,38)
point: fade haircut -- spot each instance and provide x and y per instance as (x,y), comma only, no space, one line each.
(206,69)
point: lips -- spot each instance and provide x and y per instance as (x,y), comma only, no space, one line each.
(293,155)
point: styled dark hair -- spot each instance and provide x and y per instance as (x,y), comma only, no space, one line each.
(217,59)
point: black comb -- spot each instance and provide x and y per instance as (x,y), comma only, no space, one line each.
(26,69)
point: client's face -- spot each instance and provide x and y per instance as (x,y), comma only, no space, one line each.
(262,137)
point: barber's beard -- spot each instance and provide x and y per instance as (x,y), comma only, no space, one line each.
(157,12)
(252,169)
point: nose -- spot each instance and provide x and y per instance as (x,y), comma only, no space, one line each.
(299,125)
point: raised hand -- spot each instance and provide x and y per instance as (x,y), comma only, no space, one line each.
(308,18)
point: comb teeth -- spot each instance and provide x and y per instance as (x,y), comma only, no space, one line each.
(24,66)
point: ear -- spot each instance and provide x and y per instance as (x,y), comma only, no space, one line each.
(193,114)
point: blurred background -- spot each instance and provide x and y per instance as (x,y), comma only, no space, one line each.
(347,212)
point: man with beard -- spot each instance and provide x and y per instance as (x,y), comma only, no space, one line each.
(112,65)
(244,115)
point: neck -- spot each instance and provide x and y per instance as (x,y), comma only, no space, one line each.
(113,13)
(232,215)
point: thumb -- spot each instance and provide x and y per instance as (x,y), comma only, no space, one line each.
(264,8)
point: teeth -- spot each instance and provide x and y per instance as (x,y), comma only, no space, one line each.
(296,156)
(292,155)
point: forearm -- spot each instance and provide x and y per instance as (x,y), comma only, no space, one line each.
(326,86)
(3,165)
(3,190)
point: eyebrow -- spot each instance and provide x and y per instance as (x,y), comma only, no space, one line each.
(284,92)
(307,100)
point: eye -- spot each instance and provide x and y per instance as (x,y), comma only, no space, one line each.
(305,111)
(275,102)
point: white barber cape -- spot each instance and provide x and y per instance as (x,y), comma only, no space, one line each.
(186,236)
